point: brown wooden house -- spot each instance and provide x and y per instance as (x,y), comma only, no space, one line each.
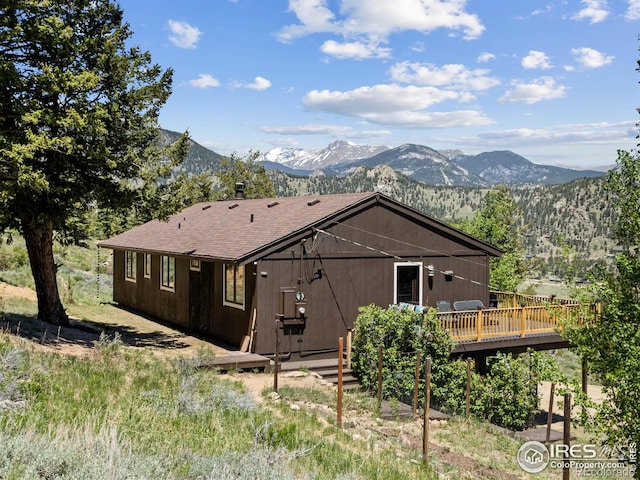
(228,269)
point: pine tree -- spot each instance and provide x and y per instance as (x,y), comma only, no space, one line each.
(78,124)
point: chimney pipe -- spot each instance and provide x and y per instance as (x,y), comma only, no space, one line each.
(239,191)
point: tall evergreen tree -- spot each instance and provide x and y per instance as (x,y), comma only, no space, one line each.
(247,171)
(78,124)
(497,224)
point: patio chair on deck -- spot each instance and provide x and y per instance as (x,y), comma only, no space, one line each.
(450,320)
(443,305)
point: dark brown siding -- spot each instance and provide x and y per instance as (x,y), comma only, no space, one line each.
(226,322)
(146,295)
(352,267)
(200,293)
(339,276)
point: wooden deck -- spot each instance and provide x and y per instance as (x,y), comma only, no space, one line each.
(519,322)
(526,320)
(237,361)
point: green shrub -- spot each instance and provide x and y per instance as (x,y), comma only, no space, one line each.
(507,395)
(401,333)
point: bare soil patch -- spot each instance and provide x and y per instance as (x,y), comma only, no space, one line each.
(7,290)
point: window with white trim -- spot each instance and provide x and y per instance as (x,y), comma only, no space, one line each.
(167,273)
(147,265)
(408,283)
(130,266)
(194,264)
(234,285)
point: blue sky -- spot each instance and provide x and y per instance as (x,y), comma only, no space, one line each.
(553,81)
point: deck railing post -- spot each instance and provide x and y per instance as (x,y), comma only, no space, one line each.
(514,299)
(479,324)
(523,320)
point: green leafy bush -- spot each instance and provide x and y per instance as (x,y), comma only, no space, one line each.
(507,395)
(401,333)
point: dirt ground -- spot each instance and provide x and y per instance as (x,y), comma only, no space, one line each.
(7,290)
(134,331)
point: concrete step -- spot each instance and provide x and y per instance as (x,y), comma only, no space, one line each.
(333,372)
(327,369)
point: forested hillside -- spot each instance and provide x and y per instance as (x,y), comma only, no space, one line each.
(566,226)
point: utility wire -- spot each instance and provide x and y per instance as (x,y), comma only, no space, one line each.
(397,257)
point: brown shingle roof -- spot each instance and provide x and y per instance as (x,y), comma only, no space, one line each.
(230,230)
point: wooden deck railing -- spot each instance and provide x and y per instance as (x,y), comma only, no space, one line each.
(515,299)
(531,315)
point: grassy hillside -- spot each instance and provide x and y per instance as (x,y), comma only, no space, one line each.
(75,404)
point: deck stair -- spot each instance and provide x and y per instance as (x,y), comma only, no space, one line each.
(327,369)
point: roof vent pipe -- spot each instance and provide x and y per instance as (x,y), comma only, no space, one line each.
(239,191)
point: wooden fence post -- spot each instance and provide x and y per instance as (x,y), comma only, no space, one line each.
(427,407)
(566,471)
(276,358)
(468,393)
(523,320)
(416,386)
(379,376)
(339,409)
(550,414)
(349,339)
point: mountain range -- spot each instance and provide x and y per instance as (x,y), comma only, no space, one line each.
(422,163)
(418,162)
(566,213)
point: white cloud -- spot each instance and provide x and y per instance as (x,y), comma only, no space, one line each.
(484,57)
(308,129)
(259,83)
(377,99)
(377,20)
(395,106)
(336,131)
(595,11)
(357,50)
(536,60)
(183,35)
(452,75)
(204,80)
(544,88)
(314,17)
(590,58)
(633,11)
(540,11)
(592,133)
(431,120)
